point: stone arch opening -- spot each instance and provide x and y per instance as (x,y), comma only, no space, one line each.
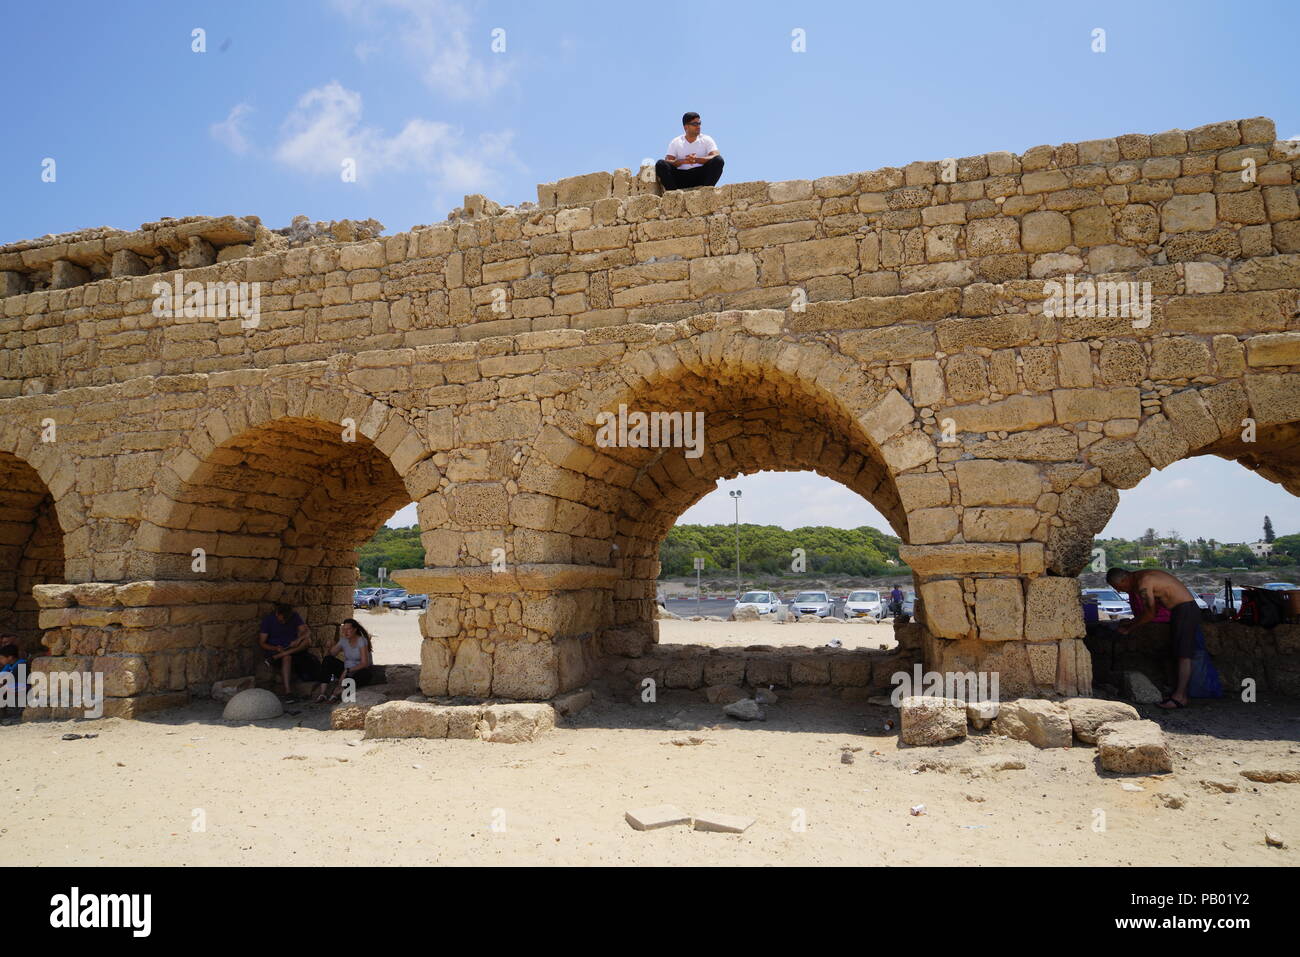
(31,548)
(279,511)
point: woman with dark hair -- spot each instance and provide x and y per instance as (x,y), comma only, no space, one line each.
(349,658)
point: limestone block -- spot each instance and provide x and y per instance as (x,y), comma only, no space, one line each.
(253,704)
(1052,609)
(718,274)
(928,526)
(999,609)
(1278,349)
(996,524)
(1044,724)
(1089,714)
(471,672)
(406,719)
(1046,231)
(1133,747)
(1193,213)
(927,720)
(517,723)
(998,483)
(652,818)
(435,666)
(525,670)
(1096,405)
(945,609)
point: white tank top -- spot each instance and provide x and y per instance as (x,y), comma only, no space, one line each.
(352,652)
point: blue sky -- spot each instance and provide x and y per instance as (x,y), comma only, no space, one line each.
(140,126)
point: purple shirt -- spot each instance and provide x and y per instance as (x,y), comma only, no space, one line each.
(280,633)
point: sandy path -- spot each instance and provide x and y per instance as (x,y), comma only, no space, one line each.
(270,793)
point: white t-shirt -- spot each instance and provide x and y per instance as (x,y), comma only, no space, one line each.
(702,146)
(352,652)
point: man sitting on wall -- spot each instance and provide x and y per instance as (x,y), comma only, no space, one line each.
(692,160)
(284,637)
(1159,589)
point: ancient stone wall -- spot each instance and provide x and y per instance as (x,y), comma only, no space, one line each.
(887,329)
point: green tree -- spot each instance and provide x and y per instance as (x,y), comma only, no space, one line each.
(1268,529)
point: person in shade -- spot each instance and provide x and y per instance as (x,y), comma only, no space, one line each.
(1159,589)
(692,160)
(349,658)
(283,637)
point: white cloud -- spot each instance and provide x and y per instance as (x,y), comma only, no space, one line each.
(325,128)
(230,133)
(438,37)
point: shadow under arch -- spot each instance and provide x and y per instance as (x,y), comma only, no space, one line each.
(31,548)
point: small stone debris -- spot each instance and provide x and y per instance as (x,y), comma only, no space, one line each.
(722,823)
(1273,839)
(686,742)
(765,696)
(834,643)
(746,709)
(1218,784)
(975,798)
(1172,801)
(916,810)
(1128,786)
(1272,775)
(294,757)
(846,757)
(652,818)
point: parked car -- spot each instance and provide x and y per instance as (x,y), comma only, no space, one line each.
(908,611)
(1110,602)
(370,597)
(812,603)
(1219,606)
(764,602)
(401,599)
(864,604)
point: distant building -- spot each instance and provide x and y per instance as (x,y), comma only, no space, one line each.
(1261,549)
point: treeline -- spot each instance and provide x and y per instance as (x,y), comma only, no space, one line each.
(391,548)
(768,549)
(1153,550)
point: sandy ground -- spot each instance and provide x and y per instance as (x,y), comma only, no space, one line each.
(273,793)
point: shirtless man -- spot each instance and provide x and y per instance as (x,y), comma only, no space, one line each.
(1154,585)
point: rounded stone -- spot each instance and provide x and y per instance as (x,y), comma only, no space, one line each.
(255,704)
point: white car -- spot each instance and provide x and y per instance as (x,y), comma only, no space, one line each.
(1110,602)
(764,602)
(812,603)
(864,604)
(1219,606)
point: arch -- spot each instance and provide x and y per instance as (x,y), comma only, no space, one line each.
(31,547)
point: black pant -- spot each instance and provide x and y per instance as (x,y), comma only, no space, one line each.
(1185,623)
(673,178)
(332,669)
(305,667)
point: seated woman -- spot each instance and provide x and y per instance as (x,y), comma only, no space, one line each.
(354,647)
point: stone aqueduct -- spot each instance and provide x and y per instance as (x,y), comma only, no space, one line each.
(473,358)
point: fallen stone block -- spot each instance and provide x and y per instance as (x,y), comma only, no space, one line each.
(722,823)
(651,818)
(1133,747)
(572,703)
(1272,775)
(516,723)
(1044,724)
(929,720)
(765,696)
(746,709)
(1220,785)
(1089,714)
(407,719)
(980,714)
(745,614)
(227,688)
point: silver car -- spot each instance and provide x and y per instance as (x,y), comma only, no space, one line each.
(1110,602)
(812,603)
(864,604)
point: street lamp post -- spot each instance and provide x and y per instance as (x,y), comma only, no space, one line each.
(735,494)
